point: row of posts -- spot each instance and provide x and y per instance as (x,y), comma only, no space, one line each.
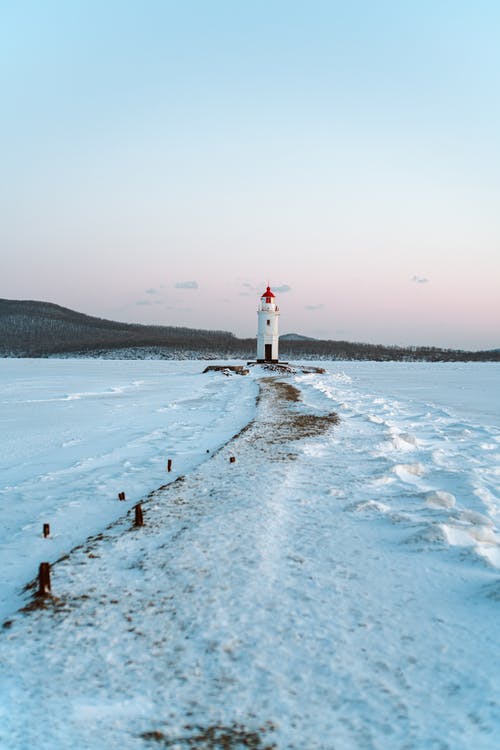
(44,569)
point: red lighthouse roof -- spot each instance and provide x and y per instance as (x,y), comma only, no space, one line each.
(268,293)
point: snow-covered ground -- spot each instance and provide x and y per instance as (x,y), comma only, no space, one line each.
(75,433)
(340,582)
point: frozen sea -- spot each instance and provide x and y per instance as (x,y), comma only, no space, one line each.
(330,591)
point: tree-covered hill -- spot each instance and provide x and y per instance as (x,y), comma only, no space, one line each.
(38,329)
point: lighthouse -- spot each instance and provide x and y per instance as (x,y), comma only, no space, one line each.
(267,331)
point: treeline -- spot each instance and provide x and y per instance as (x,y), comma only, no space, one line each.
(42,329)
(320,349)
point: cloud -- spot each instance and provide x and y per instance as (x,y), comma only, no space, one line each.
(151,291)
(144,302)
(250,290)
(313,307)
(282,289)
(186,285)
(419,280)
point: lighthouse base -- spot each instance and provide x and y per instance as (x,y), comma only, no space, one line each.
(286,368)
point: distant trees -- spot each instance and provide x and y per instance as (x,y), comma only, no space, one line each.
(318,349)
(37,329)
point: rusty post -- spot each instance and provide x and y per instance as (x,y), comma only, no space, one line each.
(46,530)
(139,520)
(169,464)
(232,459)
(121,496)
(44,579)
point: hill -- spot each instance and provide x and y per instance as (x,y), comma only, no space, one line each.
(38,329)
(42,329)
(295,337)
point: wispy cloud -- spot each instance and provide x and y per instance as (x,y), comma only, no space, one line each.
(419,280)
(144,302)
(186,285)
(313,307)
(282,289)
(151,291)
(249,290)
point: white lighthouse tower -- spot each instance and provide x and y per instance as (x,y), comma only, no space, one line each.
(267,331)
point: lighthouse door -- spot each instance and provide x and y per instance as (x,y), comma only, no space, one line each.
(268,354)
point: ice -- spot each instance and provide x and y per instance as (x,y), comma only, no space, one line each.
(403,440)
(465,536)
(319,591)
(370,505)
(440,499)
(376,419)
(383,480)
(470,516)
(409,472)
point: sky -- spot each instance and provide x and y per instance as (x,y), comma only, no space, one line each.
(162,161)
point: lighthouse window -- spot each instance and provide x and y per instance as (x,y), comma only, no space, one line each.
(268,322)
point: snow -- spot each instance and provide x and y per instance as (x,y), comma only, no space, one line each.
(76,433)
(338,581)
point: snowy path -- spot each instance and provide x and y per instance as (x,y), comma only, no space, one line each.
(308,585)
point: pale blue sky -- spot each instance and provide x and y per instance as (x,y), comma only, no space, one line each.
(349,151)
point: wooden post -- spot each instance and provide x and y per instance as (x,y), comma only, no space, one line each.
(169,464)
(232,459)
(43,579)
(121,496)
(46,530)
(139,520)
